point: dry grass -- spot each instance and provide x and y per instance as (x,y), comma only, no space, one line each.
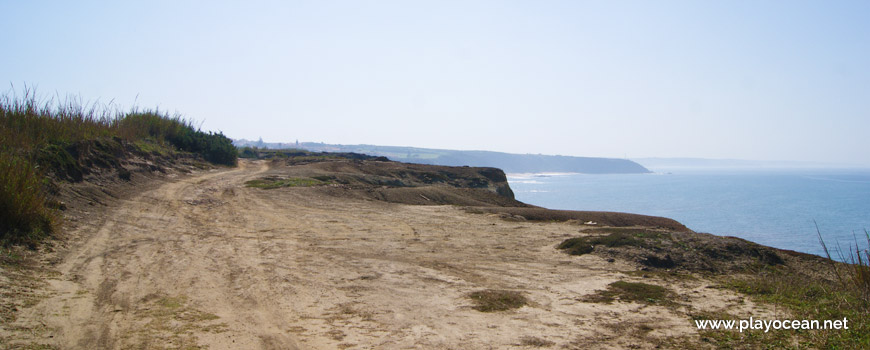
(632,291)
(23,202)
(585,245)
(535,342)
(855,274)
(40,136)
(268,183)
(491,300)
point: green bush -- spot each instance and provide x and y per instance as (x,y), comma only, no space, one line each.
(214,147)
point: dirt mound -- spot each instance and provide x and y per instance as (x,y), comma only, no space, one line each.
(98,172)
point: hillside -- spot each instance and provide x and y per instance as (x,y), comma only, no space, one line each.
(511,163)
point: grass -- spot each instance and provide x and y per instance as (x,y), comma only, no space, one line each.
(265,153)
(843,295)
(297,156)
(274,182)
(632,291)
(811,299)
(616,238)
(855,274)
(42,140)
(748,339)
(23,202)
(491,300)
(535,342)
(173,322)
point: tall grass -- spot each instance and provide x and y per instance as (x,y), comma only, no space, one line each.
(840,292)
(38,136)
(23,209)
(28,122)
(854,273)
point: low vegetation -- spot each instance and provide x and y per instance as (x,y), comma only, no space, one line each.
(658,248)
(840,292)
(297,156)
(491,300)
(632,291)
(42,141)
(585,245)
(599,218)
(268,183)
(24,212)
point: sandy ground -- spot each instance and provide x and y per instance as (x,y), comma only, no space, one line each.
(206,262)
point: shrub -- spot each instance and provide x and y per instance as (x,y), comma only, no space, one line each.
(214,147)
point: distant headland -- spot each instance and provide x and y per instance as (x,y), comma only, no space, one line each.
(509,162)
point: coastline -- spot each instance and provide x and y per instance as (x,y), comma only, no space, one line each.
(776,209)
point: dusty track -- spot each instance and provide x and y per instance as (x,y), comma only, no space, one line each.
(205,261)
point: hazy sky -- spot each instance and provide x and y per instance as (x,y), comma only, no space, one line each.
(765,80)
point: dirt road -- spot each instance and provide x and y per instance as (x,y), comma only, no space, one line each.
(206,262)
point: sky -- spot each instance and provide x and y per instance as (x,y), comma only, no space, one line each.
(757,80)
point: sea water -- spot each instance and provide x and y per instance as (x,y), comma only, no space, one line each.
(778,208)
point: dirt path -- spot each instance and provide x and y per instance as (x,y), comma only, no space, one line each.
(207,262)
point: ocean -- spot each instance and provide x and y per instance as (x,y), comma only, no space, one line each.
(778,208)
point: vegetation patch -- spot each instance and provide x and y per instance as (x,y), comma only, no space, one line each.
(809,288)
(585,245)
(664,275)
(579,217)
(45,141)
(641,233)
(632,291)
(748,339)
(491,300)
(268,183)
(808,298)
(173,322)
(24,212)
(297,156)
(655,248)
(535,342)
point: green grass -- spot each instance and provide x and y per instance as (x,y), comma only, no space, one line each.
(812,299)
(748,339)
(41,137)
(585,245)
(272,183)
(843,295)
